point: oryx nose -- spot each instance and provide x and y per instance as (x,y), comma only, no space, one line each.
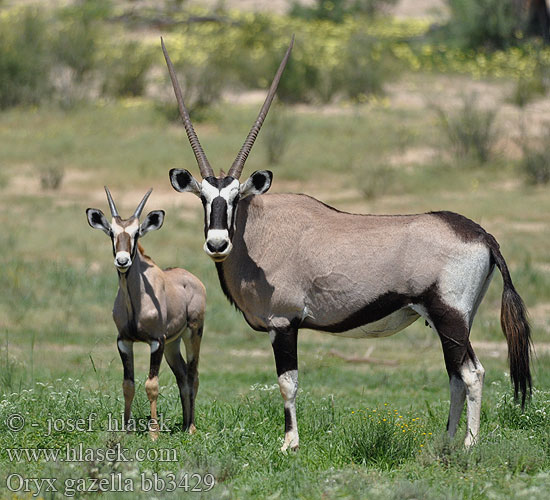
(217,246)
(122,261)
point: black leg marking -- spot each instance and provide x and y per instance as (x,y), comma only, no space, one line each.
(285,349)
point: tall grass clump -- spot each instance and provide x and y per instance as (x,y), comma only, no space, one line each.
(471,131)
(374,179)
(384,437)
(535,162)
(25,61)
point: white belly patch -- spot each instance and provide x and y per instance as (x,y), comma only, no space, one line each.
(389,325)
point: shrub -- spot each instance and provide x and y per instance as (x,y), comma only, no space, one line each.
(494,24)
(125,71)
(535,163)
(76,43)
(373,180)
(525,90)
(277,134)
(51,177)
(367,64)
(471,131)
(337,10)
(25,63)
(201,84)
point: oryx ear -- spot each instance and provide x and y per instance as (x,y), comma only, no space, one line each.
(258,183)
(97,220)
(152,222)
(183,181)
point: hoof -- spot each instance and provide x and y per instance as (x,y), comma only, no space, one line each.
(192,429)
(153,435)
(291,446)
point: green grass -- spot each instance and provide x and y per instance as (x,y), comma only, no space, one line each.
(58,356)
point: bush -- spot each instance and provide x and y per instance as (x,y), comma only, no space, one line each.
(277,134)
(526,90)
(373,180)
(535,163)
(337,10)
(470,131)
(366,66)
(494,24)
(51,177)
(125,72)
(76,43)
(25,63)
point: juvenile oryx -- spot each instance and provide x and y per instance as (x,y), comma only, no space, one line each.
(288,261)
(154,306)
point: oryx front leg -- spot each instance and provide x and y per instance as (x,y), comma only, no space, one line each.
(152,384)
(285,348)
(126,351)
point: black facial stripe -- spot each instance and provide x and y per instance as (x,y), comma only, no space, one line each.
(218,214)
(203,199)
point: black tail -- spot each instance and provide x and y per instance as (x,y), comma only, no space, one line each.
(515,325)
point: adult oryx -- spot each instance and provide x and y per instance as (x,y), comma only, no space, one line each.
(153,306)
(288,261)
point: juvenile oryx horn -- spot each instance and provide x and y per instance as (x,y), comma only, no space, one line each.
(112,205)
(204,165)
(238,164)
(142,203)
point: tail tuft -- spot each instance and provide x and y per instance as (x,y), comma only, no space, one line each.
(515,325)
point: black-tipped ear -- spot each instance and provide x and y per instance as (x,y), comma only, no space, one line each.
(183,181)
(258,183)
(152,222)
(97,220)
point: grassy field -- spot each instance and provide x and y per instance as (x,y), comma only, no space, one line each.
(366,430)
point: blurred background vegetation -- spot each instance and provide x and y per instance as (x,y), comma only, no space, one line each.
(376,112)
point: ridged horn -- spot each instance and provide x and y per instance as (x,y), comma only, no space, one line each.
(238,164)
(202,161)
(142,203)
(112,205)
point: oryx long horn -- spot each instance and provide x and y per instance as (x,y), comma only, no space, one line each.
(238,164)
(204,165)
(112,205)
(142,203)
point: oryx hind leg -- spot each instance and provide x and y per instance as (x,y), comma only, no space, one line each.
(465,371)
(192,340)
(175,361)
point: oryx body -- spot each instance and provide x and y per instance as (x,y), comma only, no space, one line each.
(155,306)
(288,261)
